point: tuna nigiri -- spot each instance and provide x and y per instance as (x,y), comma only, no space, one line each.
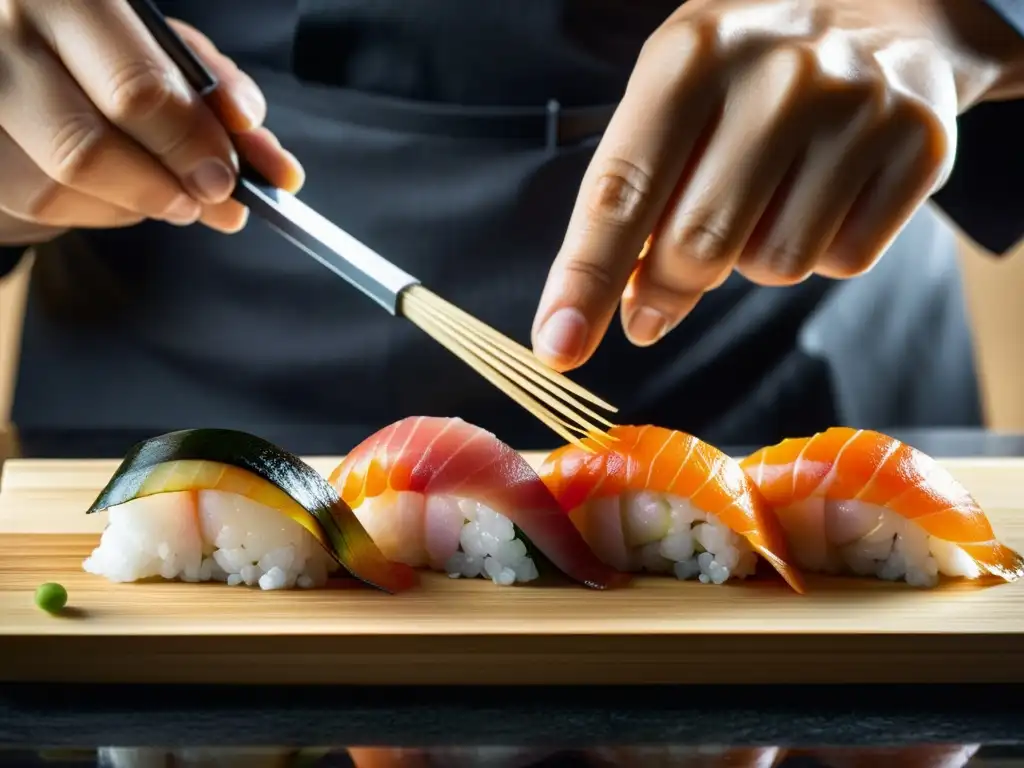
(448,495)
(664,501)
(853,501)
(448,757)
(221,505)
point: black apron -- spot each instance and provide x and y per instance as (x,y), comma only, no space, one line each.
(463,171)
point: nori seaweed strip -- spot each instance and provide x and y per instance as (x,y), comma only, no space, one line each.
(545,568)
(307,487)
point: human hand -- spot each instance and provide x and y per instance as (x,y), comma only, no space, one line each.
(779,138)
(99,129)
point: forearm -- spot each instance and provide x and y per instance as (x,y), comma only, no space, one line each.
(985,193)
(984,40)
(1005,24)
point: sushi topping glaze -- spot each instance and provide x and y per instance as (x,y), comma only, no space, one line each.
(706,486)
(861,502)
(245,466)
(445,494)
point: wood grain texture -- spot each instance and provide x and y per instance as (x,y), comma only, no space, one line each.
(470,631)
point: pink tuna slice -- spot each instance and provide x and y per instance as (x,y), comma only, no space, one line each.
(450,457)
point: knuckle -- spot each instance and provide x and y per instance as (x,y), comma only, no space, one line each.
(791,69)
(12,23)
(843,92)
(15,37)
(844,263)
(676,39)
(787,263)
(175,140)
(679,50)
(703,236)
(856,100)
(77,145)
(620,193)
(923,136)
(592,272)
(846,85)
(137,90)
(913,117)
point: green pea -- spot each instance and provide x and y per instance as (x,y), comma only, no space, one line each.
(51,597)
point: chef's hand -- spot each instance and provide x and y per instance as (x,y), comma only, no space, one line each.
(779,138)
(99,129)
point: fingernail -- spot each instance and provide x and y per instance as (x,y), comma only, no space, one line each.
(182,210)
(298,176)
(563,336)
(646,326)
(241,223)
(212,180)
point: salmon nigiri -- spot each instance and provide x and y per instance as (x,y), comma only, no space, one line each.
(853,501)
(664,501)
(913,756)
(448,495)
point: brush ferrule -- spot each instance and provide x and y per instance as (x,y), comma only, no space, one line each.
(337,250)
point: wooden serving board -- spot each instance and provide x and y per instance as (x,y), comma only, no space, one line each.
(448,631)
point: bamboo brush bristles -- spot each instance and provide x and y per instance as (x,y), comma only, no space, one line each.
(510,367)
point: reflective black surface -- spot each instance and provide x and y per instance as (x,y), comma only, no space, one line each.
(567,726)
(935,755)
(546,718)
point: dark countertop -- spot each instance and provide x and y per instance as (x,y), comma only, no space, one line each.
(555,719)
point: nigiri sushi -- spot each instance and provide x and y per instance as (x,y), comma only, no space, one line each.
(858,502)
(685,756)
(664,501)
(216,504)
(445,494)
(448,757)
(913,756)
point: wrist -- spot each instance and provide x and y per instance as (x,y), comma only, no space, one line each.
(987,52)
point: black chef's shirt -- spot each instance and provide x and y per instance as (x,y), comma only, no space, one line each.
(425,128)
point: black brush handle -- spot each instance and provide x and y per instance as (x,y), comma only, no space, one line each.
(334,248)
(191,66)
(201,79)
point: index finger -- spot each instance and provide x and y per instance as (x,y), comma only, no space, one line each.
(627,185)
(237,100)
(134,83)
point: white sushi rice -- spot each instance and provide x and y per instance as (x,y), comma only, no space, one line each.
(488,546)
(854,538)
(208,536)
(661,533)
(459,536)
